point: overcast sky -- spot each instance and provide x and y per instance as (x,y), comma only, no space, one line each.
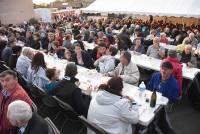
(42,1)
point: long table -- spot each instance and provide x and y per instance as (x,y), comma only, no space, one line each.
(93,78)
(147,62)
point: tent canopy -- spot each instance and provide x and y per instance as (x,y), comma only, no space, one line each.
(178,8)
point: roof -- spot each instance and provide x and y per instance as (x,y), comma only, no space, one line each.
(178,8)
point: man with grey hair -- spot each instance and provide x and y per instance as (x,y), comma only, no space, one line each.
(177,68)
(154,50)
(21,116)
(193,40)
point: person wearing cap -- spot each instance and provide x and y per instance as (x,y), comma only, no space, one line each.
(177,68)
(111,111)
(68,91)
(126,70)
(165,83)
(20,115)
(9,92)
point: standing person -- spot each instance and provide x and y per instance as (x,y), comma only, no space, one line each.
(177,68)
(9,92)
(110,111)
(13,58)
(7,51)
(126,70)
(36,72)
(29,39)
(37,43)
(125,37)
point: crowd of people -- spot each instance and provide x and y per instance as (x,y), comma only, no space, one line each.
(22,48)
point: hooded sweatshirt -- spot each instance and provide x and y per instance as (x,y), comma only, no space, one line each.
(112,113)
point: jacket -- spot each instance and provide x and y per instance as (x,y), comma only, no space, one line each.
(168,88)
(87,60)
(17,94)
(112,113)
(105,63)
(131,73)
(67,91)
(6,53)
(23,64)
(177,71)
(38,78)
(36,125)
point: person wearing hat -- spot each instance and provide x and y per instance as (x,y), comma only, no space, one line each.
(177,68)
(165,83)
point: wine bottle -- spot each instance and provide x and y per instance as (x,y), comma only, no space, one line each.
(153,99)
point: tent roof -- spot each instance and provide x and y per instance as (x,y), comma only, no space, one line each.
(178,8)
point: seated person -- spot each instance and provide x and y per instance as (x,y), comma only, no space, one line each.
(154,50)
(110,111)
(138,47)
(187,56)
(20,115)
(165,83)
(81,57)
(24,61)
(163,38)
(180,48)
(68,91)
(13,58)
(36,72)
(11,91)
(53,76)
(126,70)
(99,51)
(67,55)
(106,63)
(177,68)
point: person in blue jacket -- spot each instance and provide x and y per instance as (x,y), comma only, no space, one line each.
(165,83)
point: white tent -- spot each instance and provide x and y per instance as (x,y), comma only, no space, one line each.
(177,8)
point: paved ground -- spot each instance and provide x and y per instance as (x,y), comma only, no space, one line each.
(184,119)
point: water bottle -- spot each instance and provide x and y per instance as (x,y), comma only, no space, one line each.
(142,88)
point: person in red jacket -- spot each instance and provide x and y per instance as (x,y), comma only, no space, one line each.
(9,92)
(177,68)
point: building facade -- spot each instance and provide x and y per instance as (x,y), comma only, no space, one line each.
(15,11)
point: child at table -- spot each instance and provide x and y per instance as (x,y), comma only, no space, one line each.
(53,76)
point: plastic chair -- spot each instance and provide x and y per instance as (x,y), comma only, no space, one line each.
(52,128)
(92,126)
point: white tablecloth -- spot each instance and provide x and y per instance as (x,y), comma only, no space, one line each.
(92,78)
(154,64)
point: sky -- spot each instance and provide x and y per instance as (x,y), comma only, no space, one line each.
(42,1)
